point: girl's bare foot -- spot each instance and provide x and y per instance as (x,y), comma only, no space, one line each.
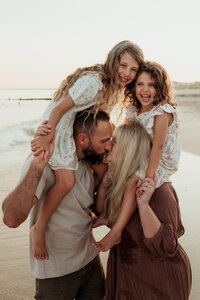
(109,241)
(38,246)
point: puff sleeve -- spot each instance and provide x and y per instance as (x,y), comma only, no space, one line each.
(85,90)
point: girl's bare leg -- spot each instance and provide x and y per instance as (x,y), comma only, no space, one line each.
(65,180)
(128,207)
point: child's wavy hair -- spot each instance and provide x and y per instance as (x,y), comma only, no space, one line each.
(164,93)
(108,72)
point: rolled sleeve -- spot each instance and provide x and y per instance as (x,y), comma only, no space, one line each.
(165,205)
(164,244)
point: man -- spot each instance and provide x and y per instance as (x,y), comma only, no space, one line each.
(73,269)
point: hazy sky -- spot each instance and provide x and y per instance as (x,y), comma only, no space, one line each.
(42,41)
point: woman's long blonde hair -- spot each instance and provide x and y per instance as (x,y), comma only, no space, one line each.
(131,156)
(108,73)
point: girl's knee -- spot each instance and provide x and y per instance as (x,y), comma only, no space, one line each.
(65,179)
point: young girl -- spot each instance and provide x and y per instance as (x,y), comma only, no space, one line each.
(98,85)
(153,106)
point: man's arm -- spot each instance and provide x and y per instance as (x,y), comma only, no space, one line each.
(17,205)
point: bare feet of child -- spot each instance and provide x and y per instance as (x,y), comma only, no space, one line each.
(38,246)
(101,220)
(109,241)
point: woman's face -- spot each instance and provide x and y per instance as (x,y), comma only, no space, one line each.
(127,69)
(145,90)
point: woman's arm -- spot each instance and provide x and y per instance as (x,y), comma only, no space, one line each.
(160,221)
(150,222)
(161,124)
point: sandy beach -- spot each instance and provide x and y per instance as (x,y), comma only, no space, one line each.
(16,283)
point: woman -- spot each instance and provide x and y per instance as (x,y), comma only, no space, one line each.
(149,263)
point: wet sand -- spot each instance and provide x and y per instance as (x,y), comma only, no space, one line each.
(16,283)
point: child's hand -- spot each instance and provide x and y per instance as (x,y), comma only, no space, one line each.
(43,130)
(40,143)
(42,158)
(145,190)
(42,139)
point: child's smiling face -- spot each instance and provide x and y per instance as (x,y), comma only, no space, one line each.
(127,69)
(145,91)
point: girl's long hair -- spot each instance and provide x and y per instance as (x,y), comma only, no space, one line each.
(131,156)
(108,73)
(164,93)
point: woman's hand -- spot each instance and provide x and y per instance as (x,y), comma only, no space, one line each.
(145,189)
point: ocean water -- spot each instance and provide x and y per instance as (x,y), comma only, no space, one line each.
(20,116)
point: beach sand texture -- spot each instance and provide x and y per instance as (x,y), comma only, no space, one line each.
(16,283)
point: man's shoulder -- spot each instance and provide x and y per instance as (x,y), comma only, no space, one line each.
(83,166)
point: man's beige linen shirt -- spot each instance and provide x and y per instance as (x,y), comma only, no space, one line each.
(68,233)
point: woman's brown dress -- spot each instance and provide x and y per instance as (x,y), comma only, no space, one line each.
(151,269)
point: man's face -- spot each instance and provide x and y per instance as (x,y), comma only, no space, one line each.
(99,143)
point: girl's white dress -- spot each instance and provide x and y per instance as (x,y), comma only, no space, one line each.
(85,92)
(172,148)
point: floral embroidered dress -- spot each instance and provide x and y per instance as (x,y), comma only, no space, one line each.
(85,92)
(171,153)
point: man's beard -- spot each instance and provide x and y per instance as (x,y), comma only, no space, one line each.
(92,156)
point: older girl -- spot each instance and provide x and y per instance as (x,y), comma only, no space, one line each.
(98,85)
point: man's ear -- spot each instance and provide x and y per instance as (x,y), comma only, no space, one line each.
(83,139)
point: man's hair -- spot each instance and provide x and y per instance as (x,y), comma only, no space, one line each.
(87,120)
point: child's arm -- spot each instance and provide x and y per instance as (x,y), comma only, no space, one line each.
(161,124)
(128,207)
(41,143)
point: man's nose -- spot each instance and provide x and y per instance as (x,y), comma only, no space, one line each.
(108,146)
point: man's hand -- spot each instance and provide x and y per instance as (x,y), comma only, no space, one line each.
(41,145)
(42,159)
